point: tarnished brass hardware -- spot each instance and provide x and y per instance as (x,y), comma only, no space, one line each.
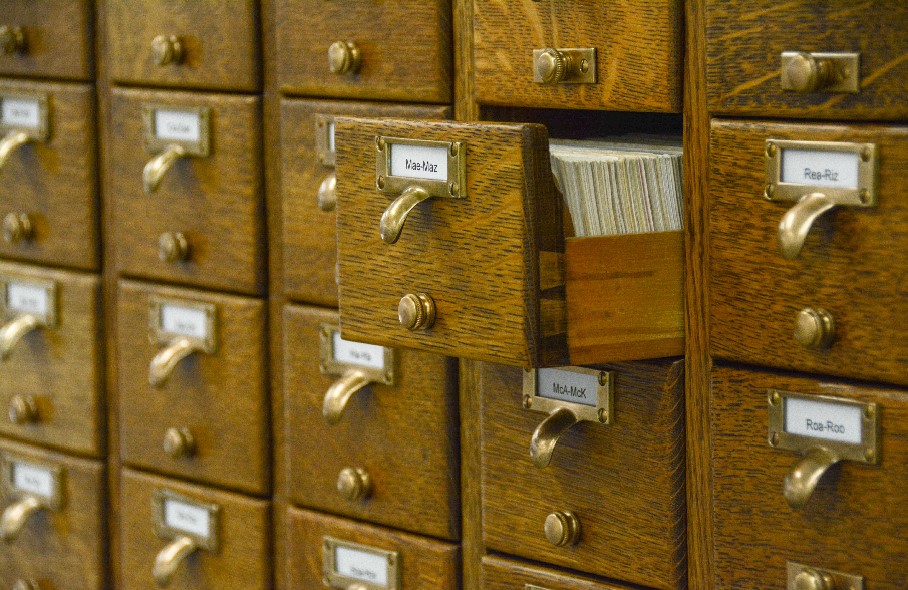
(344,57)
(805,72)
(817,191)
(24,313)
(340,392)
(17,227)
(10,143)
(327,193)
(12,40)
(22,584)
(157,167)
(166,49)
(802,577)
(394,217)
(354,484)
(39,488)
(416,311)
(16,515)
(355,373)
(562,528)
(170,557)
(173,247)
(179,443)
(824,446)
(168,148)
(163,363)
(16,132)
(334,575)
(23,409)
(178,345)
(12,332)
(814,328)
(324,139)
(564,65)
(546,435)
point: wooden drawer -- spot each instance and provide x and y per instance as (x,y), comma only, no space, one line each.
(49,183)
(365,442)
(505,574)
(623,480)
(215,202)
(233,551)
(206,416)
(853,263)
(57,38)
(404,49)
(314,541)
(191,44)
(637,47)
(63,542)
(309,242)
(744,68)
(52,380)
(854,520)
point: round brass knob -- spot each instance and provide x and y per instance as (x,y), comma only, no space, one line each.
(179,443)
(343,57)
(327,193)
(813,580)
(809,74)
(166,49)
(12,40)
(552,66)
(23,409)
(814,328)
(354,484)
(17,227)
(173,247)
(416,311)
(562,528)
(26,585)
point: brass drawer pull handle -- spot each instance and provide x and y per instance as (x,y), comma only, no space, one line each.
(798,220)
(16,515)
(158,166)
(339,394)
(327,193)
(546,435)
(163,364)
(394,217)
(12,333)
(10,142)
(12,40)
(170,558)
(802,480)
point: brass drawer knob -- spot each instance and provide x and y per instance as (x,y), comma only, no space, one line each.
(173,247)
(16,515)
(807,73)
(552,66)
(813,580)
(167,49)
(12,40)
(23,409)
(416,311)
(344,57)
(327,193)
(179,443)
(17,227)
(814,328)
(562,528)
(354,484)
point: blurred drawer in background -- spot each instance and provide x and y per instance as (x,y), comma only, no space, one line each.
(48,38)
(505,574)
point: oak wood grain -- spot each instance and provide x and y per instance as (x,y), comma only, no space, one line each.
(638,43)
(59,39)
(472,547)
(499,573)
(222,398)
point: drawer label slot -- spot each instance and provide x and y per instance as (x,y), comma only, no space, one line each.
(171,319)
(177,516)
(25,478)
(165,126)
(27,296)
(830,421)
(33,480)
(177,125)
(845,172)
(339,357)
(586,392)
(324,139)
(346,564)
(821,169)
(357,353)
(27,113)
(437,167)
(414,161)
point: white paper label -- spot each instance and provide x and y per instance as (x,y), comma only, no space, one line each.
(568,386)
(357,353)
(187,321)
(188,518)
(827,420)
(177,125)
(21,112)
(33,479)
(818,168)
(417,161)
(361,565)
(26,298)
(331,136)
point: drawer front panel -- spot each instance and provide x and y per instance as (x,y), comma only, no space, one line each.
(203,44)
(506,574)
(57,39)
(241,558)
(421,563)
(637,43)
(52,380)
(218,398)
(744,57)
(375,433)
(52,180)
(852,523)
(404,49)
(216,202)
(623,481)
(309,242)
(853,264)
(65,546)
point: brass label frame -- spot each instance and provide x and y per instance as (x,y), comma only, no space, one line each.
(867,451)
(864,195)
(847,65)
(323,126)
(455,187)
(164,531)
(333,579)
(42,131)
(329,365)
(579,57)
(50,318)
(158,335)
(53,502)
(601,413)
(841,580)
(155,144)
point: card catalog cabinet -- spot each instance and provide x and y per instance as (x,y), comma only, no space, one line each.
(48,38)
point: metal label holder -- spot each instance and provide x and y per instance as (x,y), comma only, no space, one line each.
(601,413)
(49,318)
(158,335)
(455,187)
(329,365)
(169,533)
(864,195)
(39,133)
(155,144)
(53,502)
(324,128)
(334,579)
